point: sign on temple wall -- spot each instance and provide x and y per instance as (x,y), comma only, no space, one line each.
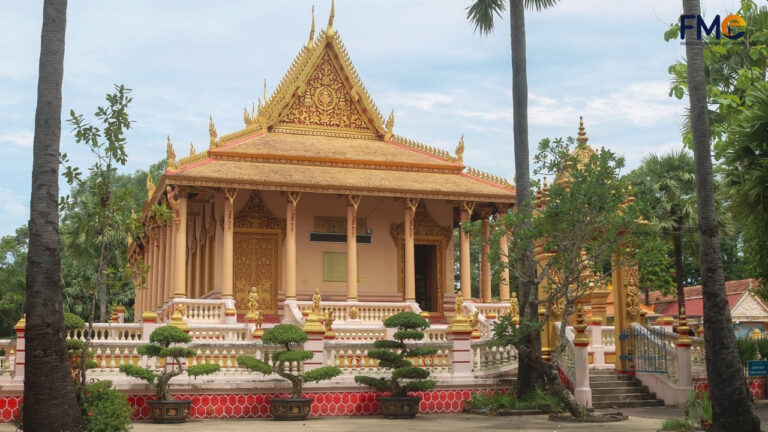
(337,225)
(335,266)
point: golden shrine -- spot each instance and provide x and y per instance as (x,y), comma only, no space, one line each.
(315,192)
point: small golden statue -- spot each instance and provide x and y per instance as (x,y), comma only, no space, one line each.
(329,320)
(474,319)
(459,304)
(114,317)
(253,301)
(181,309)
(514,309)
(317,309)
(353,313)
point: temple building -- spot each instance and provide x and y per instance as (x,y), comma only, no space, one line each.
(315,192)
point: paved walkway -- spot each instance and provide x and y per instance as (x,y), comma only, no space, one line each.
(422,423)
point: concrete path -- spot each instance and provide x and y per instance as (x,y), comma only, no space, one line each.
(422,423)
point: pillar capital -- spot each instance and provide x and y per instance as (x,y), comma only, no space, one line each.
(484,211)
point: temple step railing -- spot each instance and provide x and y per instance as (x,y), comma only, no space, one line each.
(356,311)
(110,332)
(352,357)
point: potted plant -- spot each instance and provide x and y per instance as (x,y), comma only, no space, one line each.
(405,377)
(294,407)
(165,409)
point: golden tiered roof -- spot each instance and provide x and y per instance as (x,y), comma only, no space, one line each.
(321,131)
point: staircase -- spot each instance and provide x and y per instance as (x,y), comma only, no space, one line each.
(613,390)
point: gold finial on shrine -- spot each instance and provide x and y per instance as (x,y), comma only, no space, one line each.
(460,150)
(22,323)
(683,339)
(265,92)
(329,31)
(311,41)
(212,129)
(582,138)
(389,125)
(191,149)
(150,186)
(170,154)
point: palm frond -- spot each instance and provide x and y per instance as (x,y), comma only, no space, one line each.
(481,14)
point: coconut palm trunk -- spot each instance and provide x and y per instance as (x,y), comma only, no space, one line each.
(731,407)
(528,374)
(49,394)
(677,240)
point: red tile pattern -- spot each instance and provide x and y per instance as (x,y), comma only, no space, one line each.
(9,407)
(756,387)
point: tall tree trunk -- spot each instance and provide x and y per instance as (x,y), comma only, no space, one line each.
(731,407)
(677,239)
(528,374)
(49,394)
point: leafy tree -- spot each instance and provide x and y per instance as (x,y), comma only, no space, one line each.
(13,276)
(482,14)
(287,336)
(730,401)
(160,347)
(48,389)
(394,355)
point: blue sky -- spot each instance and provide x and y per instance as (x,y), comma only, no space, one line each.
(603,59)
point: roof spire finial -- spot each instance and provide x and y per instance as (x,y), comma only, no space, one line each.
(582,138)
(330,30)
(311,41)
(460,150)
(265,91)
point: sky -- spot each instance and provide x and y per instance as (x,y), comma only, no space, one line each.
(605,60)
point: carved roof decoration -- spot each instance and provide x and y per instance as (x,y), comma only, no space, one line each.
(256,215)
(749,307)
(321,115)
(423,225)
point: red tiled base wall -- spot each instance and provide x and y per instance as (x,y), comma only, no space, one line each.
(257,404)
(756,387)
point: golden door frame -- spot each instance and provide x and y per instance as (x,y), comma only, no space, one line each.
(279,264)
(442,245)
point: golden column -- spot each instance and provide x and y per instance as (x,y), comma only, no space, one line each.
(178,202)
(410,271)
(227,289)
(465,281)
(290,244)
(485,266)
(352,202)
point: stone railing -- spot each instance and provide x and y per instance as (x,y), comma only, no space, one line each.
(486,357)
(7,355)
(436,333)
(366,311)
(352,357)
(492,311)
(567,358)
(608,336)
(359,333)
(196,311)
(110,332)
(219,332)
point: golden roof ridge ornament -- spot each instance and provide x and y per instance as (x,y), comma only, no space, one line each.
(191,149)
(390,124)
(169,153)
(212,130)
(329,31)
(150,186)
(265,92)
(311,41)
(460,150)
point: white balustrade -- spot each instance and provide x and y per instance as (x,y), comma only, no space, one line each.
(110,332)
(352,357)
(609,338)
(221,332)
(486,357)
(366,311)
(359,333)
(195,311)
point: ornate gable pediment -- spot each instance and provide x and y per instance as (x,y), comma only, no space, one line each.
(256,215)
(749,306)
(423,225)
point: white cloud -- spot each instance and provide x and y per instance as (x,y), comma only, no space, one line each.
(18,138)
(10,206)
(421,101)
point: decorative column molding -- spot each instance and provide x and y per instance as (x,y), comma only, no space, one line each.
(159,275)
(177,199)
(581,389)
(410,266)
(290,244)
(485,263)
(683,352)
(465,274)
(504,258)
(227,289)
(353,201)
(168,264)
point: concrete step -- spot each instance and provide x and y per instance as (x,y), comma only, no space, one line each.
(614,384)
(611,377)
(623,397)
(628,404)
(620,390)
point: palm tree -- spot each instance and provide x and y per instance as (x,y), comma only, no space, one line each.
(482,14)
(668,182)
(49,394)
(731,408)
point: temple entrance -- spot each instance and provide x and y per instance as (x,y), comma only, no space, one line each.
(427,291)
(256,263)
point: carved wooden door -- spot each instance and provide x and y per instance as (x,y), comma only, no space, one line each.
(256,263)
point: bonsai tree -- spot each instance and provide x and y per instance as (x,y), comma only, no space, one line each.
(288,335)
(160,347)
(394,354)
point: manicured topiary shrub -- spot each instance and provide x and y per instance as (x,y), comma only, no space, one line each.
(288,335)
(160,347)
(394,355)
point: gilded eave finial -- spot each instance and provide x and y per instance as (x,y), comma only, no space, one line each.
(265,92)
(389,125)
(191,149)
(150,186)
(311,40)
(212,129)
(170,154)
(460,150)
(582,137)
(330,30)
